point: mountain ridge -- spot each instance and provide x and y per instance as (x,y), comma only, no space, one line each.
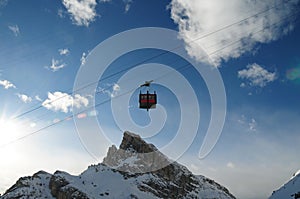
(136,170)
(289,190)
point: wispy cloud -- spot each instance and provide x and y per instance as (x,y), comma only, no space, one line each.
(110,92)
(256,75)
(32,124)
(64,51)
(82,12)
(56,65)
(7,84)
(230,165)
(198,18)
(64,102)
(242,85)
(24,98)
(61,13)
(127,5)
(83,58)
(3,3)
(250,124)
(15,29)
(38,98)
(116,89)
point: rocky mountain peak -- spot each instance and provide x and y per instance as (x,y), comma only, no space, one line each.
(133,142)
(135,155)
(136,170)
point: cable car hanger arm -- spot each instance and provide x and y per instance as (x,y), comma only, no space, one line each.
(147,83)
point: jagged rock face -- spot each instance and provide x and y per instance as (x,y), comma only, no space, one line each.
(136,143)
(134,147)
(60,188)
(135,156)
(146,159)
(127,172)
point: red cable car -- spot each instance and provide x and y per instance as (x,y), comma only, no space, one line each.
(147,100)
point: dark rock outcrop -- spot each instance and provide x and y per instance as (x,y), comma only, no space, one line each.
(135,143)
(143,157)
(61,188)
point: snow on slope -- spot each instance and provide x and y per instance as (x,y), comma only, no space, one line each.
(101,181)
(288,190)
(36,186)
(107,180)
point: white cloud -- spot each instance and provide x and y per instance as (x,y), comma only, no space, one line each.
(56,120)
(15,29)
(115,91)
(252,125)
(204,17)
(24,98)
(257,75)
(7,84)
(32,124)
(38,98)
(64,102)
(56,65)
(83,58)
(194,167)
(82,12)
(116,87)
(127,5)
(64,51)
(61,13)
(112,90)
(230,165)
(242,119)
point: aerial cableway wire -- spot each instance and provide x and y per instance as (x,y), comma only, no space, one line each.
(87,109)
(150,58)
(109,76)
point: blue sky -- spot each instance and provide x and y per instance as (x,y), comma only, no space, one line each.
(45,43)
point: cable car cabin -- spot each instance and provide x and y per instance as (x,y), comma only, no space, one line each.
(148,100)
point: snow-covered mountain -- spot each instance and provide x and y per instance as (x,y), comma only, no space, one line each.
(290,190)
(124,173)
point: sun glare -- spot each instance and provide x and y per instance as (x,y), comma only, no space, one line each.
(9,131)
